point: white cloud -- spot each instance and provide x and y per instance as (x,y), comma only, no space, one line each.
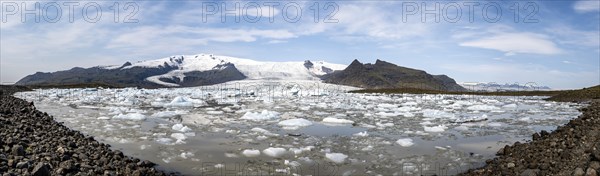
(374,21)
(516,43)
(276,41)
(148,36)
(587,6)
(567,35)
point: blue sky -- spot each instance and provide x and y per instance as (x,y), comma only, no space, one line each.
(554,43)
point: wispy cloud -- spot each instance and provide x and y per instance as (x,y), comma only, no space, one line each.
(148,36)
(569,36)
(584,6)
(508,40)
(511,43)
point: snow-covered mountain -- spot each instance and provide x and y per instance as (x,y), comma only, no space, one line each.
(495,87)
(185,71)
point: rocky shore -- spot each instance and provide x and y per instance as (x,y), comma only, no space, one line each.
(572,149)
(32,143)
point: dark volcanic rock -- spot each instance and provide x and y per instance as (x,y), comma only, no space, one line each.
(32,143)
(41,169)
(385,75)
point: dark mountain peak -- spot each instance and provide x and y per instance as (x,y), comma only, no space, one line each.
(380,63)
(308,64)
(383,74)
(126,64)
(355,66)
(356,62)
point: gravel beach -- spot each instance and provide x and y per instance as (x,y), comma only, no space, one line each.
(32,143)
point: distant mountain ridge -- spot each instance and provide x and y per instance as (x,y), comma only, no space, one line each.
(385,75)
(208,69)
(495,87)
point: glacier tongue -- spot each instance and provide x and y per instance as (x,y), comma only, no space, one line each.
(252,69)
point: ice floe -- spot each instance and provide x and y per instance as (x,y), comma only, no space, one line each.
(181,128)
(295,123)
(406,142)
(130,116)
(336,157)
(251,153)
(260,116)
(336,120)
(274,152)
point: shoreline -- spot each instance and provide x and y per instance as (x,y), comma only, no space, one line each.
(33,143)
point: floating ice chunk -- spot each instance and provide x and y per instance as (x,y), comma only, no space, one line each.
(263,131)
(233,155)
(385,105)
(336,157)
(122,140)
(426,123)
(214,112)
(298,151)
(410,103)
(179,127)
(482,108)
(166,141)
(525,119)
(274,152)
(264,115)
(407,114)
(183,102)
(495,124)
(131,116)
(435,129)
(510,106)
(144,147)
(295,123)
(407,108)
(406,142)
(388,124)
(336,120)
(232,131)
(432,113)
(386,114)
(219,165)
(103,118)
(361,134)
(180,138)
(462,128)
(186,155)
(440,148)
